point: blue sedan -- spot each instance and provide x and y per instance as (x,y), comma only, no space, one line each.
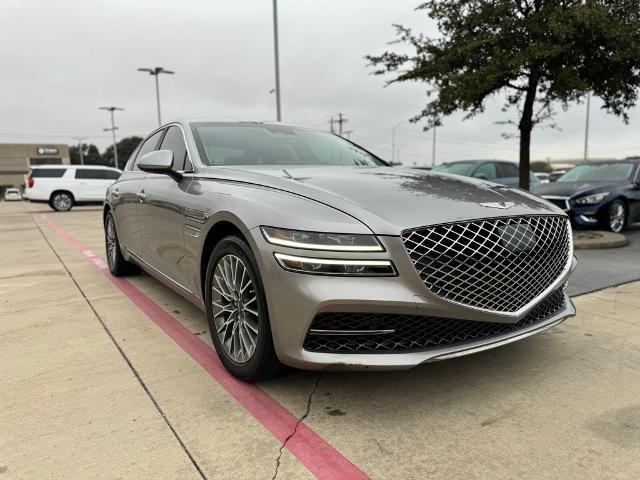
(598,194)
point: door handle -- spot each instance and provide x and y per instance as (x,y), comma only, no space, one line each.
(141,196)
(115,193)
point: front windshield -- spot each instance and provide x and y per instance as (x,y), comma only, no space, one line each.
(598,172)
(458,168)
(264,144)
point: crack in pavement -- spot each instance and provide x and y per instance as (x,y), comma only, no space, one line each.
(295,429)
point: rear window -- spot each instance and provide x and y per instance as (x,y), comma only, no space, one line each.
(47,172)
(90,173)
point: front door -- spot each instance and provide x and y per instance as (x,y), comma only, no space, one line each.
(162,214)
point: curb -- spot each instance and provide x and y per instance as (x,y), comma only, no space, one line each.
(596,239)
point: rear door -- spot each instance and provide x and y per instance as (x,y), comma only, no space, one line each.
(162,214)
(91,184)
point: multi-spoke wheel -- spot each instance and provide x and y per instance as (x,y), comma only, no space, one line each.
(235,308)
(118,266)
(237,311)
(61,201)
(617,216)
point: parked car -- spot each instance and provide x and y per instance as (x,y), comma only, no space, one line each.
(497,171)
(63,186)
(599,194)
(543,176)
(556,174)
(307,250)
(12,194)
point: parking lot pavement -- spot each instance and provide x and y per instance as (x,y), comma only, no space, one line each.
(598,269)
(562,404)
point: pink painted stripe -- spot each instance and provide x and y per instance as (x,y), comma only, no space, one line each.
(320,458)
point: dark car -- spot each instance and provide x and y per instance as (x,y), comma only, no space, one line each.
(598,194)
(498,171)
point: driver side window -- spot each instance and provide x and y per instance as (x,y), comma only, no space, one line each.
(488,169)
(149,145)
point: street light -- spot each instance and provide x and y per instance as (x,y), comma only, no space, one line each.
(113,129)
(276,55)
(155,72)
(80,142)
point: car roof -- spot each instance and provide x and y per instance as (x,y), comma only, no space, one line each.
(479,161)
(34,167)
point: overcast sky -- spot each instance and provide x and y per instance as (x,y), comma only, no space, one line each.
(61,60)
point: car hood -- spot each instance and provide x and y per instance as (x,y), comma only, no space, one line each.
(570,189)
(390,199)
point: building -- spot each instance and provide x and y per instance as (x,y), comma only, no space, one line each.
(17,158)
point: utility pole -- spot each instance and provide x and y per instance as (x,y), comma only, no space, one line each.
(586,130)
(331,122)
(80,142)
(341,121)
(395,148)
(155,72)
(113,129)
(276,55)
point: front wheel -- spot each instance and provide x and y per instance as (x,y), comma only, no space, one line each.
(61,201)
(617,216)
(237,311)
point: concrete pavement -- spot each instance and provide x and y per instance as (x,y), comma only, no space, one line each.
(91,388)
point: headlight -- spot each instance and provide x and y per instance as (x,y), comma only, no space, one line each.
(592,199)
(330,266)
(322,241)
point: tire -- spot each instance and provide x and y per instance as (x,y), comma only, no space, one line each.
(118,266)
(616,219)
(61,201)
(237,312)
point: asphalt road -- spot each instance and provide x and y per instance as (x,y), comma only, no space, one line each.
(598,269)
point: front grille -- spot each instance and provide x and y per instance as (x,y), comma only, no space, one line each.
(498,265)
(413,332)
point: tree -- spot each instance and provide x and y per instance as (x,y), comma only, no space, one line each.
(89,152)
(535,52)
(126,146)
(541,167)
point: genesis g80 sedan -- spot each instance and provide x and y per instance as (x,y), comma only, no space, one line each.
(305,249)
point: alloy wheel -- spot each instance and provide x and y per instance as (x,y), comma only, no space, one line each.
(62,202)
(235,308)
(616,217)
(112,243)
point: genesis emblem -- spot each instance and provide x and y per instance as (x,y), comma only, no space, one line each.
(498,204)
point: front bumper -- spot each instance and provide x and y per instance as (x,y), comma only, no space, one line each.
(294,300)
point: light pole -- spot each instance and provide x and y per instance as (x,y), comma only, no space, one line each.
(276,59)
(113,129)
(155,72)
(80,141)
(394,143)
(586,129)
(433,147)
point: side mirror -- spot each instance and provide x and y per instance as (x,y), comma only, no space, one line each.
(160,161)
(481,176)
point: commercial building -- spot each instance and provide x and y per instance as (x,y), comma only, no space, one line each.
(17,158)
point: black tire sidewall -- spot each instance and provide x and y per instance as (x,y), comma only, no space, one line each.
(121,267)
(263,362)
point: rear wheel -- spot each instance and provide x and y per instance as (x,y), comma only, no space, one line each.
(118,266)
(617,216)
(237,311)
(61,201)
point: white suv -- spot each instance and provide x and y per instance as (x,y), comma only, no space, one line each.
(63,186)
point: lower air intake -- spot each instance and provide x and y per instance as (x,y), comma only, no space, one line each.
(333,332)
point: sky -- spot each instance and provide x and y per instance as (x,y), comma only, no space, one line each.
(61,60)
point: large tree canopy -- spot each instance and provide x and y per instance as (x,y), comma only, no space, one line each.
(126,146)
(540,52)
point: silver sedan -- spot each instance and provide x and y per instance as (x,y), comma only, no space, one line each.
(307,250)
